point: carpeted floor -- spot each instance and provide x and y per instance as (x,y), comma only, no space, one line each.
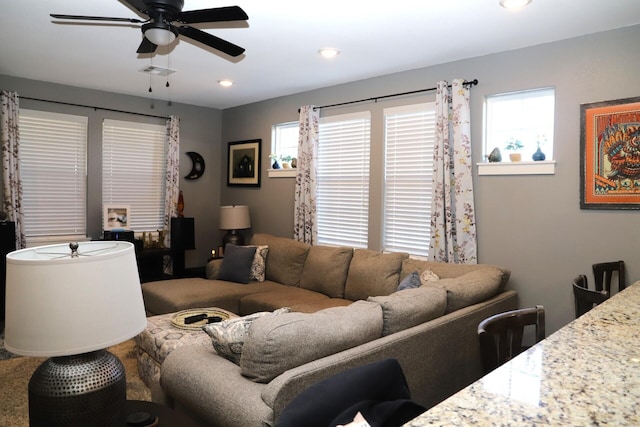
(15,374)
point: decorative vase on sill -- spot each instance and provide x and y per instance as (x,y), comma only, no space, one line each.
(515,157)
(538,156)
(275,165)
(180,205)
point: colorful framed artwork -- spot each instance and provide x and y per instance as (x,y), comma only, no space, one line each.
(610,154)
(243,163)
(116,217)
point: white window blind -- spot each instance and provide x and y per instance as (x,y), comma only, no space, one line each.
(53,170)
(343,180)
(409,143)
(133,171)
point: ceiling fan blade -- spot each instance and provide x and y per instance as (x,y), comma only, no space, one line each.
(146,46)
(95,18)
(211,40)
(138,5)
(217,14)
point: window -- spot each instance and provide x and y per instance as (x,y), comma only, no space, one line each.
(133,171)
(53,170)
(409,142)
(526,117)
(284,138)
(343,180)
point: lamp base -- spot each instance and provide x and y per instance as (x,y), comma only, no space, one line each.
(88,389)
(233,237)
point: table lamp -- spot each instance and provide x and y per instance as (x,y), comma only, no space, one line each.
(69,303)
(232,219)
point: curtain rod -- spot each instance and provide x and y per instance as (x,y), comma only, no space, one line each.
(91,106)
(375,99)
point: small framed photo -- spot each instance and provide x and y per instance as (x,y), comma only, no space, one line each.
(243,163)
(609,154)
(116,217)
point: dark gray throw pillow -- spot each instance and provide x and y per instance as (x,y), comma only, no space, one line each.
(236,264)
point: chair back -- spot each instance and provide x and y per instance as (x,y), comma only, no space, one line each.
(603,275)
(585,298)
(501,335)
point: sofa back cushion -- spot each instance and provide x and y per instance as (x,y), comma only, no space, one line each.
(445,270)
(325,270)
(372,274)
(470,288)
(410,307)
(285,259)
(276,344)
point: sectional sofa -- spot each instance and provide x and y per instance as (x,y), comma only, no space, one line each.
(335,308)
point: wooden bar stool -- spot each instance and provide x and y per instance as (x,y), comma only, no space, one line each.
(501,335)
(585,298)
(603,274)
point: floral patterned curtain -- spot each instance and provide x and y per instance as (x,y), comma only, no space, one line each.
(305,228)
(12,185)
(453,225)
(172,183)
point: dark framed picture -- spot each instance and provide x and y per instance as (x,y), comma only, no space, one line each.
(610,154)
(243,163)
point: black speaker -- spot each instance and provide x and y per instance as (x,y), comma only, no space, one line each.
(7,244)
(183,234)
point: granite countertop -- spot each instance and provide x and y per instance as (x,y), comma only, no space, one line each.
(587,373)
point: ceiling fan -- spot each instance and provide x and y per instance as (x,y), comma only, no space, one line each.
(159,28)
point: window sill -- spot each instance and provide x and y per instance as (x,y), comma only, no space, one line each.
(282,173)
(547,167)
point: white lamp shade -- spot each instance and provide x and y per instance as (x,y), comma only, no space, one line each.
(58,305)
(234,217)
(159,36)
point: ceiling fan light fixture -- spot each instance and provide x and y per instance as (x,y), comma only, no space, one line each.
(514,4)
(225,83)
(160,34)
(329,52)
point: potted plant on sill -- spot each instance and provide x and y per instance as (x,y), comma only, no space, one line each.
(515,146)
(286,161)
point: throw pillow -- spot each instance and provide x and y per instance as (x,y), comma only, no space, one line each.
(228,336)
(428,276)
(411,281)
(236,265)
(259,264)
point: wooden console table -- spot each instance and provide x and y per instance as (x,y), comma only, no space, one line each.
(586,373)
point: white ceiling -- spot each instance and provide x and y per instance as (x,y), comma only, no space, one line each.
(281,39)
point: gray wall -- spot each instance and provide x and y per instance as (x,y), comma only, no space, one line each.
(199,132)
(530,224)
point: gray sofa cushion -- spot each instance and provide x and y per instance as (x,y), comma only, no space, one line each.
(285,259)
(278,343)
(372,274)
(283,296)
(325,270)
(410,307)
(470,288)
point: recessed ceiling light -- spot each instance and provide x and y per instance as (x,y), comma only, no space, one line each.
(225,83)
(329,52)
(514,4)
